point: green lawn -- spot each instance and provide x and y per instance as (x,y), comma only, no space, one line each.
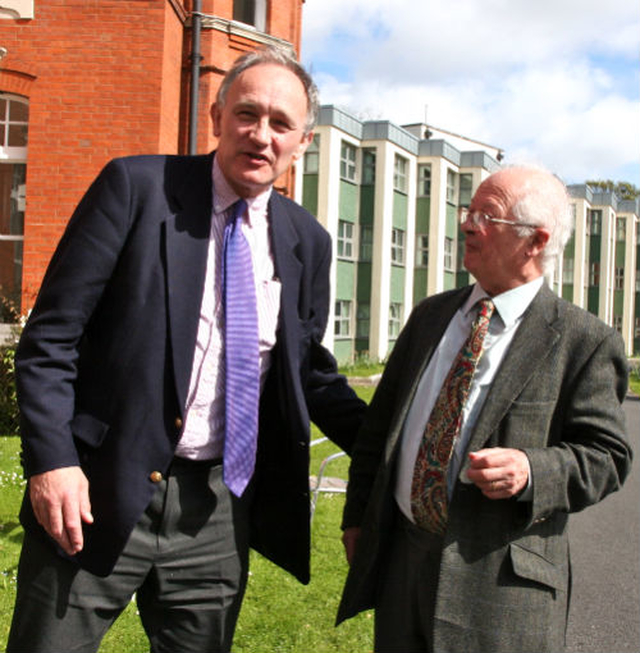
(278,614)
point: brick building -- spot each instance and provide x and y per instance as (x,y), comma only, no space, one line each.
(83,81)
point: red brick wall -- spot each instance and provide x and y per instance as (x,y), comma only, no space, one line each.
(108,78)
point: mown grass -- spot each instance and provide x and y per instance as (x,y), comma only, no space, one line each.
(278,614)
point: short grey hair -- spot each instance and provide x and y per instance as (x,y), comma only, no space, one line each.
(543,199)
(280,57)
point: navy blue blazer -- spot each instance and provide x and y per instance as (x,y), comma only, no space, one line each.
(104,362)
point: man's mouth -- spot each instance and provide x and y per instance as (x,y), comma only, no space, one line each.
(256,157)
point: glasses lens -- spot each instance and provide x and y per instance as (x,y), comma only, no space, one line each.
(474,217)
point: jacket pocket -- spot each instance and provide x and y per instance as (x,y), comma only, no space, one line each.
(532,566)
(88,429)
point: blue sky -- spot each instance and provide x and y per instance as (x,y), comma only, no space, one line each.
(553,82)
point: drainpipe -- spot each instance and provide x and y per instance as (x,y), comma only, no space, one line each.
(196,26)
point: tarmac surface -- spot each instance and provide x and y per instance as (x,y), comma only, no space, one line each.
(605,551)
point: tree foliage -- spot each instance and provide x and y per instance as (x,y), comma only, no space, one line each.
(623,189)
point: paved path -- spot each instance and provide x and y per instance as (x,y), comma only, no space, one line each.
(605,552)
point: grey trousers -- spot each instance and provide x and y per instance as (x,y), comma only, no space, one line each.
(406,596)
(186,560)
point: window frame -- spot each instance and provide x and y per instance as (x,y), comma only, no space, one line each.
(424,180)
(369,156)
(366,243)
(400,172)
(398,246)
(258,9)
(449,261)
(342,319)
(422,250)
(395,319)
(312,157)
(348,164)
(345,243)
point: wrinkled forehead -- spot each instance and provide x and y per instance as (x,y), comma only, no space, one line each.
(495,195)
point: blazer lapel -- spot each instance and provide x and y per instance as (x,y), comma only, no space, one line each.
(288,269)
(535,338)
(189,189)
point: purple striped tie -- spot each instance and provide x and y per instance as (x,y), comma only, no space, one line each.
(242,378)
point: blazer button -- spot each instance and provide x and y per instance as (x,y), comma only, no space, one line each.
(178,423)
(155,477)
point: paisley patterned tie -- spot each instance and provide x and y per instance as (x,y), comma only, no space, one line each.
(429,486)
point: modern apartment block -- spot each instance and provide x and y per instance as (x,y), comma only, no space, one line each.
(84,81)
(390,196)
(600,266)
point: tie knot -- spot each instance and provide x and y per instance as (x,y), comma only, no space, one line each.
(486,308)
(238,210)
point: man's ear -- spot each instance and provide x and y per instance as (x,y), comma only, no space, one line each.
(215,117)
(539,240)
(304,144)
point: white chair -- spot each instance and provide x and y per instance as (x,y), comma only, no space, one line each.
(322,484)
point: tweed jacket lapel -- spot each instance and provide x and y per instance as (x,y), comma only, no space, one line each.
(188,191)
(534,340)
(419,350)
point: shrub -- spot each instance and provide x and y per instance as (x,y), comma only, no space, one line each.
(9,416)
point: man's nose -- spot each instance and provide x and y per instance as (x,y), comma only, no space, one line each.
(260,131)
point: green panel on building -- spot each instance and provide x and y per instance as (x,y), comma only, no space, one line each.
(367,204)
(451,228)
(343,351)
(462,279)
(567,291)
(396,288)
(618,302)
(310,193)
(348,205)
(595,243)
(593,299)
(423,209)
(449,280)
(362,346)
(363,291)
(345,279)
(420,279)
(400,206)
(620,253)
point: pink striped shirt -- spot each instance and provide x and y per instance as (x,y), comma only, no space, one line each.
(203,433)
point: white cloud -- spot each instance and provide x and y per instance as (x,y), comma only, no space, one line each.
(550,81)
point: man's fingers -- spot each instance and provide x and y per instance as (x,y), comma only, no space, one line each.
(499,473)
(60,500)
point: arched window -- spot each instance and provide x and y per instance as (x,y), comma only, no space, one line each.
(14,126)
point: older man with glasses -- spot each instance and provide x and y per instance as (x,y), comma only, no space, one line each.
(499,413)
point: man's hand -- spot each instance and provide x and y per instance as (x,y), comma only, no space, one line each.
(60,500)
(350,538)
(499,473)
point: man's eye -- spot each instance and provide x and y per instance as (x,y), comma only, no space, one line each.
(280,125)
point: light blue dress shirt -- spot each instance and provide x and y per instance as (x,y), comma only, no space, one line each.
(509,309)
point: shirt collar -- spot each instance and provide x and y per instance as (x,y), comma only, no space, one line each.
(224,196)
(510,305)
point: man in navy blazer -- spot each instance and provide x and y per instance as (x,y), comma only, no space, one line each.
(116,502)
